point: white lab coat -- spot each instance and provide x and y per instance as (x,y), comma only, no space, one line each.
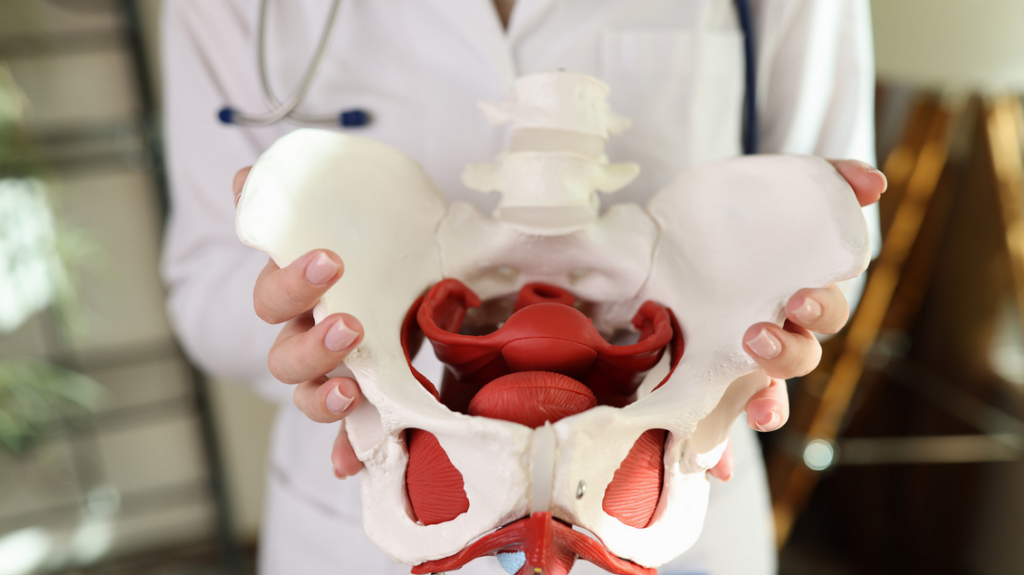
(419,66)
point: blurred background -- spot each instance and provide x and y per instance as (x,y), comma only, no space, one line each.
(903,455)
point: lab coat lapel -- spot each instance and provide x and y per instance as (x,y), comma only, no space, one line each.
(525,16)
(478,21)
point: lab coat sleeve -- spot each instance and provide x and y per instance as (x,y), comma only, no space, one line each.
(207,62)
(816,88)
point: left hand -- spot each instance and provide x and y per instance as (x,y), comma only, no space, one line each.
(792,350)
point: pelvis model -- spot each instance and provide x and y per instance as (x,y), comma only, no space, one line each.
(540,424)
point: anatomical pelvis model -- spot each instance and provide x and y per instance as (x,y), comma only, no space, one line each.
(589,355)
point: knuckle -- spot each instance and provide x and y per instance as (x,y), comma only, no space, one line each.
(837,308)
(831,323)
(318,411)
(310,357)
(293,294)
(273,363)
(797,360)
(308,402)
(277,369)
(262,311)
(840,321)
(807,361)
(300,358)
(281,364)
(268,308)
(280,300)
(830,328)
(800,370)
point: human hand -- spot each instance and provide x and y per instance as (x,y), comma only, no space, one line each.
(792,350)
(305,352)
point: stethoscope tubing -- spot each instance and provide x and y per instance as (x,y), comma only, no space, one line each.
(278,111)
(750,77)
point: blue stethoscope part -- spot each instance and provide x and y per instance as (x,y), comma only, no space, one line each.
(356,118)
(750,77)
(226,115)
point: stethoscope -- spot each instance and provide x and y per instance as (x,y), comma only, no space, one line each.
(358,117)
(280,110)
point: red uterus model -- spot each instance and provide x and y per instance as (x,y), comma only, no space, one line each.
(540,424)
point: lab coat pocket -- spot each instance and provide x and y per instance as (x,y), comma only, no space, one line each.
(683,90)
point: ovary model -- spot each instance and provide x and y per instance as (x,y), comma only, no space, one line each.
(541,425)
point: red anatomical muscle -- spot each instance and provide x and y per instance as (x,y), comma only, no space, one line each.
(436,489)
(531,398)
(632,496)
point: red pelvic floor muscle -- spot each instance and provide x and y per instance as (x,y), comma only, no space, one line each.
(550,546)
(633,494)
(436,488)
(532,397)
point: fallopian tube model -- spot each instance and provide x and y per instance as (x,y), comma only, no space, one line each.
(542,425)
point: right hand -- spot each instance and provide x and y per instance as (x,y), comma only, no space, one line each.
(304,351)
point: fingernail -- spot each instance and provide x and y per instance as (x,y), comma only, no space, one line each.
(771,425)
(765,345)
(238,195)
(321,269)
(339,337)
(336,402)
(809,311)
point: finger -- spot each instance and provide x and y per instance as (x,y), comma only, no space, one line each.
(343,457)
(820,310)
(239,182)
(304,351)
(723,469)
(782,353)
(768,409)
(283,293)
(327,401)
(867,182)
